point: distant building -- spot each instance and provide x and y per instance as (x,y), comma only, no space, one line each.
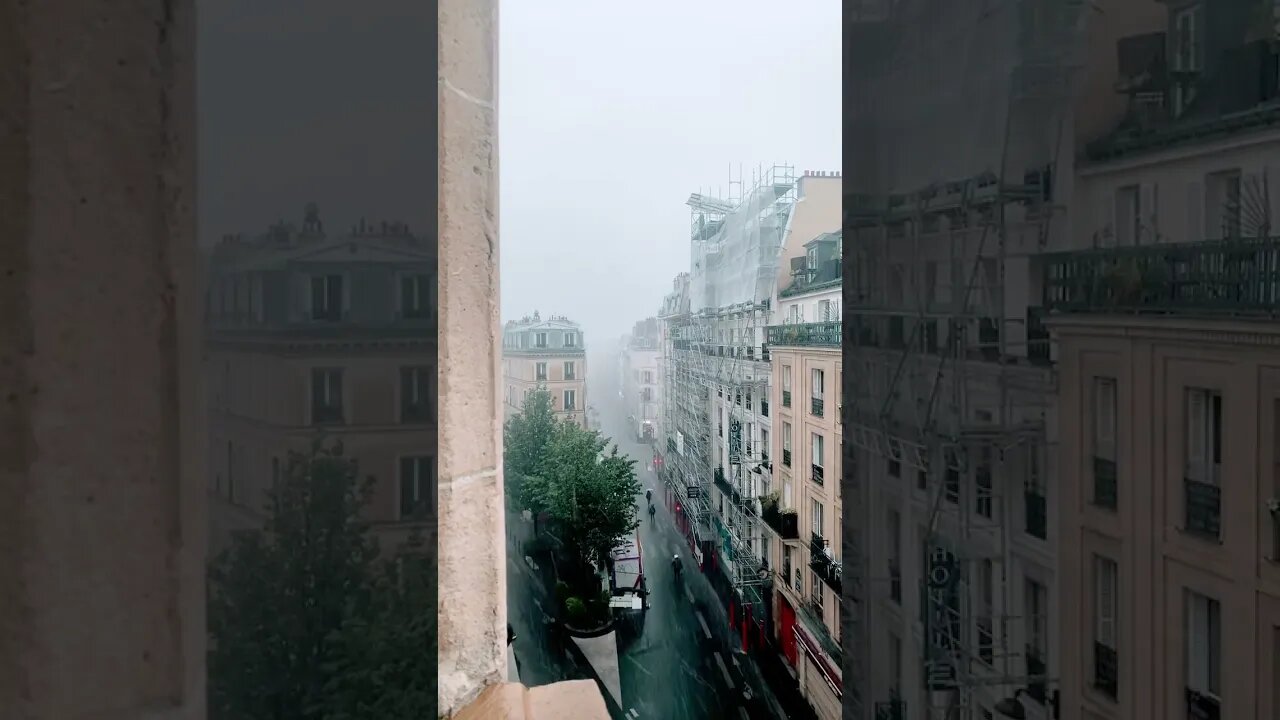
(549,353)
(641,356)
(311,334)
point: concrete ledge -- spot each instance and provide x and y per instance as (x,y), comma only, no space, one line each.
(570,700)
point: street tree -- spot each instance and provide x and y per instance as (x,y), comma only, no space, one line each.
(590,494)
(526,439)
(293,608)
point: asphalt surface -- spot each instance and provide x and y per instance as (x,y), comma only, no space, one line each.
(682,661)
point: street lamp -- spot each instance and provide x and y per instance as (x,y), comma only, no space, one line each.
(1012,707)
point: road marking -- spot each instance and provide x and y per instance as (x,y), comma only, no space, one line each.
(689,595)
(742,713)
(724,670)
(538,602)
(633,713)
(529,561)
(706,630)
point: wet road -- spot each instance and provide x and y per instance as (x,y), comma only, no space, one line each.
(681,662)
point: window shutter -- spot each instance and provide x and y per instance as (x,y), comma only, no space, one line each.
(1195,452)
(1195,212)
(1106,579)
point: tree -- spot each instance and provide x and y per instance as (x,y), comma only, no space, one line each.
(591,495)
(526,439)
(305,621)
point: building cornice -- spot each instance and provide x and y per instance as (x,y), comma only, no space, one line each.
(1256,333)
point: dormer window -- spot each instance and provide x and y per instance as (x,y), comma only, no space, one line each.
(540,340)
(570,339)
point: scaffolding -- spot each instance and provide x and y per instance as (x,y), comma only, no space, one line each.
(946,379)
(716,375)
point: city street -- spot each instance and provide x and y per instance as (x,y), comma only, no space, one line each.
(682,662)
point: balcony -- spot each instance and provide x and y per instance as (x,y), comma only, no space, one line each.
(327,415)
(786,458)
(823,334)
(1201,706)
(817,473)
(1036,514)
(822,564)
(1203,505)
(1105,493)
(786,398)
(784,522)
(817,407)
(1231,277)
(723,484)
(1104,670)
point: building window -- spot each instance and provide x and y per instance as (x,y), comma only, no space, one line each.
(786,444)
(816,518)
(819,393)
(1105,491)
(1128,216)
(415,296)
(1186,58)
(817,457)
(326,396)
(540,340)
(1202,494)
(815,593)
(1037,619)
(326,297)
(786,386)
(417,487)
(570,400)
(985,618)
(893,528)
(415,395)
(895,666)
(1037,514)
(1204,655)
(571,339)
(1105,677)
(764,445)
(540,371)
(951,484)
(275,473)
(1223,206)
(984,504)
(569,370)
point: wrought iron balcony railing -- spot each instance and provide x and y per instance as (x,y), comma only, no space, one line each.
(1105,492)
(817,407)
(1236,276)
(1105,669)
(823,565)
(821,334)
(1203,505)
(817,473)
(1036,668)
(784,522)
(786,398)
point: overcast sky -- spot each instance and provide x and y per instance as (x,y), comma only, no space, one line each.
(611,114)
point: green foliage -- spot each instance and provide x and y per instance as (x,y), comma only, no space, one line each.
(575,610)
(562,469)
(306,622)
(526,439)
(591,495)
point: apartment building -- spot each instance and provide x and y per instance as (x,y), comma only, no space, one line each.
(950,467)
(1163,314)
(316,335)
(641,356)
(804,511)
(548,353)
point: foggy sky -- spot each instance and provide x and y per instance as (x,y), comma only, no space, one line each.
(611,114)
(314,101)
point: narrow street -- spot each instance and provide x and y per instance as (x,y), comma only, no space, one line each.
(682,662)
